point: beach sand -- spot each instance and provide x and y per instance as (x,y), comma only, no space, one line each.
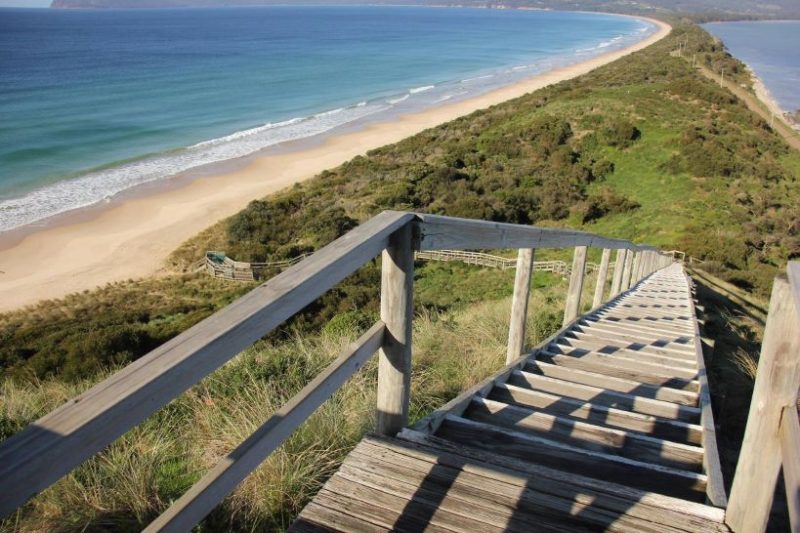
(132,238)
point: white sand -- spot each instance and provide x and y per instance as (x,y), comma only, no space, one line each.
(132,239)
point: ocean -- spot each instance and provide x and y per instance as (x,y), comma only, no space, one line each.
(95,102)
(772,50)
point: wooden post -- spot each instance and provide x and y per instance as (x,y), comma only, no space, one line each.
(777,382)
(397,312)
(630,270)
(619,270)
(602,274)
(519,305)
(573,305)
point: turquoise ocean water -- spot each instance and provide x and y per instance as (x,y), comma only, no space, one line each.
(772,50)
(93,103)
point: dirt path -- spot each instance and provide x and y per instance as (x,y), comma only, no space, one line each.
(758,107)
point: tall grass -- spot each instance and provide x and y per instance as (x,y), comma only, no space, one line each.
(136,478)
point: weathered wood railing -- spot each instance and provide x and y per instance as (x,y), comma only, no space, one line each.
(230,269)
(36,457)
(772,437)
(495,261)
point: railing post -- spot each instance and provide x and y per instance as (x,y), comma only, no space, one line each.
(619,271)
(573,304)
(602,274)
(637,268)
(519,305)
(397,312)
(627,280)
(777,382)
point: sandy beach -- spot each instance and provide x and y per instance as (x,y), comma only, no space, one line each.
(132,238)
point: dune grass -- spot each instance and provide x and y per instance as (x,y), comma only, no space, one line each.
(134,479)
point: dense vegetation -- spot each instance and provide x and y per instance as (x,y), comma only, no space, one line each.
(644,149)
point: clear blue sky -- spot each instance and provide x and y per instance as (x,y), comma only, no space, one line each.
(24,3)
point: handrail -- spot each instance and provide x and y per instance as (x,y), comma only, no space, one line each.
(47,449)
(772,435)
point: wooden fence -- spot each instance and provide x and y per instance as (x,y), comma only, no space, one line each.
(46,450)
(227,268)
(772,437)
(220,266)
(494,261)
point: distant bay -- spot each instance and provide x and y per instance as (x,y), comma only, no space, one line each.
(772,50)
(93,103)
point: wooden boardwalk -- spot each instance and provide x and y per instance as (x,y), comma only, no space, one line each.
(606,426)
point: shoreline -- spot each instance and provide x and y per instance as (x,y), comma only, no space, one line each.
(132,238)
(766,98)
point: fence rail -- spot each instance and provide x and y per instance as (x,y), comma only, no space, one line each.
(772,437)
(36,457)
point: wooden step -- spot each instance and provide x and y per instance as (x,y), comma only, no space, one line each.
(623,350)
(637,327)
(629,325)
(539,489)
(679,345)
(586,435)
(611,383)
(674,430)
(609,398)
(490,500)
(647,318)
(673,338)
(611,346)
(605,364)
(625,359)
(638,474)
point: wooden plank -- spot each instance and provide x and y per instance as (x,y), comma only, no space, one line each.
(573,303)
(444,487)
(89,422)
(397,312)
(611,383)
(611,343)
(619,267)
(381,510)
(790,457)
(602,274)
(632,325)
(650,352)
(449,233)
(614,468)
(587,492)
(519,305)
(525,504)
(711,461)
(646,372)
(204,495)
(601,396)
(777,382)
(585,435)
(316,517)
(641,358)
(668,338)
(612,417)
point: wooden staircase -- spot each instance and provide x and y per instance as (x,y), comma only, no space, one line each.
(603,427)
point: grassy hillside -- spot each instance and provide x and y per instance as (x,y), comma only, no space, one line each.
(644,149)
